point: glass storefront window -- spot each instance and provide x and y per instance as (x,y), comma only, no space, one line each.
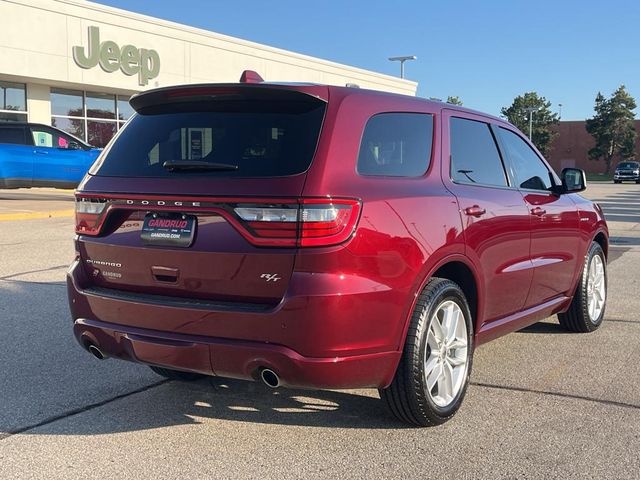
(13,117)
(100,132)
(74,126)
(13,102)
(67,102)
(13,96)
(93,117)
(101,105)
(124,109)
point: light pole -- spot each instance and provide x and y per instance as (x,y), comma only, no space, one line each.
(402,60)
(531,110)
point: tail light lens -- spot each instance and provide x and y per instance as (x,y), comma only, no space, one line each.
(88,215)
(310,223)
(306,222)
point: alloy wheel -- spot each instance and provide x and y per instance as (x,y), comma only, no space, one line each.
(445,363)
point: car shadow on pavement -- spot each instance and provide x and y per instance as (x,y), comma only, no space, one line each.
(69,392)
(215,399)
(544,327)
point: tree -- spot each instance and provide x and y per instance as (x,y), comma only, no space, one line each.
(542,119)
(613,128)
(454,100)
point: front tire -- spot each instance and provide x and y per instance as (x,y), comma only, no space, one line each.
(433,374)
(586,312)
(176,374)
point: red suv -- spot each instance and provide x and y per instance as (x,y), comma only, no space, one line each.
(326,237)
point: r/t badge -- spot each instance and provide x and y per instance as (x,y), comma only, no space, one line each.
(270,277)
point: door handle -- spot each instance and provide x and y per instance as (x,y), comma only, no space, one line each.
(475,211)
(537,211)
(41,152)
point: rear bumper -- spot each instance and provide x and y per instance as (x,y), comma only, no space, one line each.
(212,342)
(235,359)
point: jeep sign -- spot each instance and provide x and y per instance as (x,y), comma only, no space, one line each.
(129,59)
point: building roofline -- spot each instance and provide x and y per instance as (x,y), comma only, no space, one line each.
(188,30)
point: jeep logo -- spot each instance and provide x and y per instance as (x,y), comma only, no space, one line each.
(129,59)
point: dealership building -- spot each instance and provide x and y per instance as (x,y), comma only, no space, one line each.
(75,64)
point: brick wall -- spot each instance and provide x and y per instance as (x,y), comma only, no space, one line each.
(571,147)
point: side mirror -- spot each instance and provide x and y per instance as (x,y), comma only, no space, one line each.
(573,180)
(74,146)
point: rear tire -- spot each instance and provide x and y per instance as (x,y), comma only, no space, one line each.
(587,308)
(176,374)
(617,181)
(433,374)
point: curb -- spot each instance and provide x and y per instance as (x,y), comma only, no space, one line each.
(7,217)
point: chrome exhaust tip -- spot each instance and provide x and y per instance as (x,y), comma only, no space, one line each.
(96,352)
(270,378)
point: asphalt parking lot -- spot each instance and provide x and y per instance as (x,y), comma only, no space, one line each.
(542,404)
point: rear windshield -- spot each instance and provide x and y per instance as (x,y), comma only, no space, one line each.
(245,139)
(628,165)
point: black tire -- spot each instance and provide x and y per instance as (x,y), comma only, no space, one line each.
(407,398)
(617,181)
(577,318)
(177,375)
(637,181)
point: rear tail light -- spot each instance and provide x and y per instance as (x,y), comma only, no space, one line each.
(306,222)
(310,223)
(89,214)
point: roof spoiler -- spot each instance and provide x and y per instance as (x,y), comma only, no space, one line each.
(220,92)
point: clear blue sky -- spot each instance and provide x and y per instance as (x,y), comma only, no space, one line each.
(485,52)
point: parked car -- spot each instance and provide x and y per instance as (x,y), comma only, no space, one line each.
(35,155)
(627,171)
(326,237)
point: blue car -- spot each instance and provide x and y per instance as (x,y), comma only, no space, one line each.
(35,155)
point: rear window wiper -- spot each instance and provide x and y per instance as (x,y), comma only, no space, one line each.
(197,165)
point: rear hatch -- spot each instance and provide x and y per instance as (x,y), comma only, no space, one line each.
(198,197)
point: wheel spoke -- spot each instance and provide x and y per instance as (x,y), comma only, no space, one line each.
(448,318)
(436,328)
(445,383)
(432,341)
(592,306)
(458,343)
(433,377)
(455,361)
(453,328)
(430,364)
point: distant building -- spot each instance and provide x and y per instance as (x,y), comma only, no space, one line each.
(571,148)
(74,64)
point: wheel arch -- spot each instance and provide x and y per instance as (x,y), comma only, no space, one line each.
(602,240)
(458,269)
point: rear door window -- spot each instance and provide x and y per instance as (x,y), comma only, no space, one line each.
(257,140)
(528,169)
(396,145)
(13,135)
(475,158)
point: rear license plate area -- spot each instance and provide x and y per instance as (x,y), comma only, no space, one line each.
(169,229)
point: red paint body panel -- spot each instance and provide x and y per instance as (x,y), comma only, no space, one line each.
(337,316)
